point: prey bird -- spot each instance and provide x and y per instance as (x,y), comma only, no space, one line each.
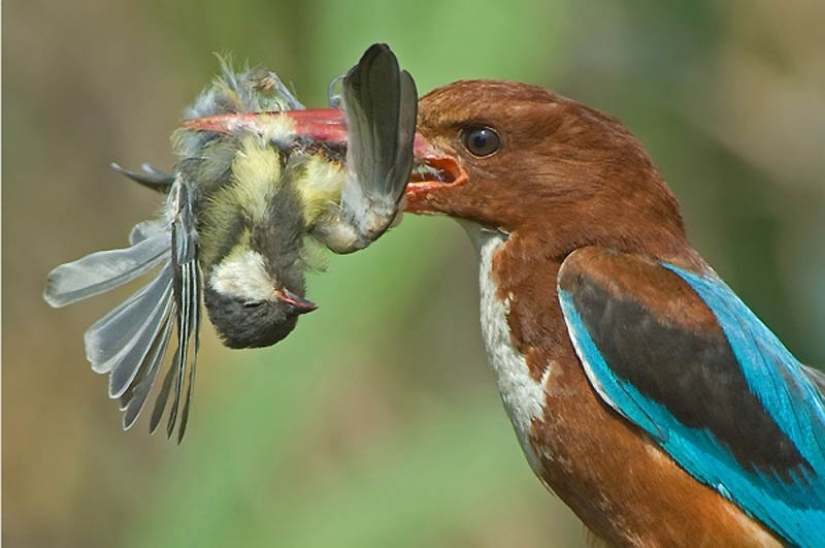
(245,209)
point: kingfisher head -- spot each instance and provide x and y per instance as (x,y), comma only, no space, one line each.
(518,158)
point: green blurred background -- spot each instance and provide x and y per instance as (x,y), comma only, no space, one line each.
(377,423)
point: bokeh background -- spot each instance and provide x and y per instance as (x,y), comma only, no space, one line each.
(377,423)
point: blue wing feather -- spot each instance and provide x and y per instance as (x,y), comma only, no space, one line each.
(792,506)
(772,372)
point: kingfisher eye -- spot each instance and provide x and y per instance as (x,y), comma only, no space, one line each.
(252,304)
(481,141)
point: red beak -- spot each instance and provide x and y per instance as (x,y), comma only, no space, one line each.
(301,305)
(324,125)
(432,171)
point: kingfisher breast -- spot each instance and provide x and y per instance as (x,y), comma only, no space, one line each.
(522,395)
(624,488)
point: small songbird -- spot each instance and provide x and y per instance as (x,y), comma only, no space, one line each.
(246,208)
(642,390)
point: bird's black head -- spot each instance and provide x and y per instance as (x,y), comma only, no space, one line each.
(254,323)
(254,301)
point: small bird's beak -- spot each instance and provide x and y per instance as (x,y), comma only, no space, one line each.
(301,305)
(433,171)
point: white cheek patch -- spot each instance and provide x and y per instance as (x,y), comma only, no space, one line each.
(242,275)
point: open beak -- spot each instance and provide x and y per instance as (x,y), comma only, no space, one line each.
(433,171)
(301,305)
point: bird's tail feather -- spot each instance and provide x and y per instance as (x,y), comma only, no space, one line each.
(105,270)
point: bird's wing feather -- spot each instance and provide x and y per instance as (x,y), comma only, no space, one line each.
(381,105)
(150,178)
(817,377)
(678,354)
(371,93)
(105,270)
(407,116)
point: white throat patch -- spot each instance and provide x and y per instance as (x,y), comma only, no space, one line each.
(522,396)
(243,275)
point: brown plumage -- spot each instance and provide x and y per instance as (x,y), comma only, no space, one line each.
(567,177)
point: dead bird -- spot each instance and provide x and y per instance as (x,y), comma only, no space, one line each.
(247,206)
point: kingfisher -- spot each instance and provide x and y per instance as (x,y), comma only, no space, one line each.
(643,392)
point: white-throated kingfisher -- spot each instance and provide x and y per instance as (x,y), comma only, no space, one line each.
(642,389)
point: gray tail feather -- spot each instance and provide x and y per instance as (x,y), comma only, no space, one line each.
(130,342)
(105,270)
(150,323)
(146,229)
(110,338)
(134,398)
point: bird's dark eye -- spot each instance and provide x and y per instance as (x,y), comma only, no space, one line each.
(252,304)
(481,141)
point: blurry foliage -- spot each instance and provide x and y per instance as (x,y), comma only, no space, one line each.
(377,423)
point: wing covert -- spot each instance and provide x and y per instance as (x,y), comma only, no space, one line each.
(679,354)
